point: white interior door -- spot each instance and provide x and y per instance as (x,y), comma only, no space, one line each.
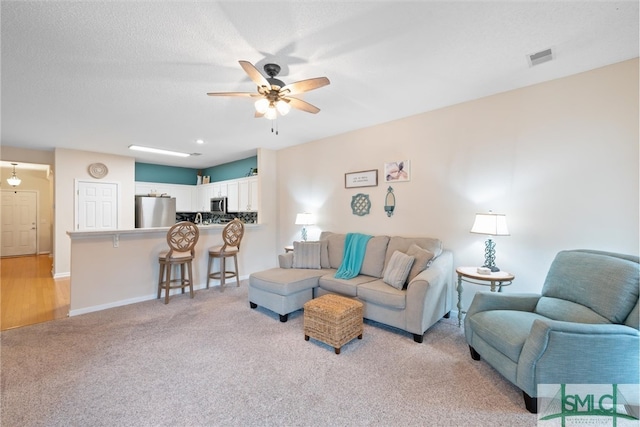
(97,205)
(19,223)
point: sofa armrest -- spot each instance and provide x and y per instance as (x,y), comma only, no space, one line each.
(286,260)
(598,353)
(429,294)
(486,301)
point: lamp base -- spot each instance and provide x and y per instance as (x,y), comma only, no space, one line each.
(493,268)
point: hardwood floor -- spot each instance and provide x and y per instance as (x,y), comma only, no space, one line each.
(28,292)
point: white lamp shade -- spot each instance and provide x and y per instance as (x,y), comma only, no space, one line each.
(491,224)
(14,181)
(271,113)
(262,105)
(305,219)
(283,107)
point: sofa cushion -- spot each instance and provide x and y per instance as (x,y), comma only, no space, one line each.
(567,311)
(306,255)
(324,254)
(285,281)
(335,246)
(504,330)
(378,292)
(397,270)
(604,283)
(373,263)
(374,257)
(343,286)
(423,258)
(403,244)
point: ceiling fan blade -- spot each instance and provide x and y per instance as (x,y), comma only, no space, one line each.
(305,85)
(302,105)
(246,94)
(254,74)
(257,115)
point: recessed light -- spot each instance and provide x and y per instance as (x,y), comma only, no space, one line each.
(199,141)
(158,151)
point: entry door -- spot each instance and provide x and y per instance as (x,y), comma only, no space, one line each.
(19,223)
(97,206)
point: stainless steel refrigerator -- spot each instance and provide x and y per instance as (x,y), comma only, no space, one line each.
(155,211)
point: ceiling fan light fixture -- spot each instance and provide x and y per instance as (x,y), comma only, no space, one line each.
(271,113)
(13,180)
(283,107)
(262,105)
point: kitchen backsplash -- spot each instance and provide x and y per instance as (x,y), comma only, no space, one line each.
(211,218)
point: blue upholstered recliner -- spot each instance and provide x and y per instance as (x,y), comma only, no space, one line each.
(582,329)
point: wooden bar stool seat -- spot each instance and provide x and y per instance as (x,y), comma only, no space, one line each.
(232,236)
(181,238)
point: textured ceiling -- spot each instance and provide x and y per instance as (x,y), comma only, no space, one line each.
(100,76)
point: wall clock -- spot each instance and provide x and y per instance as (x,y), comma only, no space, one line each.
(98,170)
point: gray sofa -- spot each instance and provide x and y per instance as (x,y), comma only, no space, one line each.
(426,297)
(582,328)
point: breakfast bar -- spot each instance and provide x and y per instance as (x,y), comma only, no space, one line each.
(118,267)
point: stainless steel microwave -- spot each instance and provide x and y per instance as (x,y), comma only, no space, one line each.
(219,205)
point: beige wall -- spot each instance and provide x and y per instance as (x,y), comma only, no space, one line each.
(71,166)
(105,275)
(34,180)
(560,159)
(39,182)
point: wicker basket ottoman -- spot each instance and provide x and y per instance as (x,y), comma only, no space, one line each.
(333,319)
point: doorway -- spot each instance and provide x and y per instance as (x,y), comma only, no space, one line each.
(96,205)
(19,213)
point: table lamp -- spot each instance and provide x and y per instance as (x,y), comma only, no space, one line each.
(305,219)
(493,225)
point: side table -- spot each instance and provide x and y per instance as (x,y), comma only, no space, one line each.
(471,275)
(288,249)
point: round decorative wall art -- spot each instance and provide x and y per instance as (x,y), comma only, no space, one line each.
(360,204)
(98,170)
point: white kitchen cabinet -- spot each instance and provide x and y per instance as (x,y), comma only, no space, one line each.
(248,194)
(233,200)
(205,193)
(220,189)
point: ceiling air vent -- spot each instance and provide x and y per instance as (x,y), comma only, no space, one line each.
(540,57)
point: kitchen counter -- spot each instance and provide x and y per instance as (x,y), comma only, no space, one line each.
(142,231)
(110,268)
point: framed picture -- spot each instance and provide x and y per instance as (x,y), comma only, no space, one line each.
(397,171)
(361,179)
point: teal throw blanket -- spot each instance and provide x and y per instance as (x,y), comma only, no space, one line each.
(355,246)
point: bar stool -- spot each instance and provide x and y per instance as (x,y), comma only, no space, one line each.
(182,238)
(232,236)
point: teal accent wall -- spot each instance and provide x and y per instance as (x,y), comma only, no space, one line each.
(232,170)
(147,172)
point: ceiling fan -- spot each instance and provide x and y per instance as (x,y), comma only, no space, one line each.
(275,96)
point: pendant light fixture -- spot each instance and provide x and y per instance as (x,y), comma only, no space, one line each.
(13,180)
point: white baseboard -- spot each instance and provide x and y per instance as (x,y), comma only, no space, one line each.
(214,283)
(61,275)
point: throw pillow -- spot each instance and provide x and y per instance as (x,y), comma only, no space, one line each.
(423,258)
(324,254)
(306,255)
(398,269)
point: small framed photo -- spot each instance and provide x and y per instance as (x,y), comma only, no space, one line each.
(361,179)
(397,171)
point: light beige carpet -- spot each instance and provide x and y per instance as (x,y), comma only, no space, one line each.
(213,361)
